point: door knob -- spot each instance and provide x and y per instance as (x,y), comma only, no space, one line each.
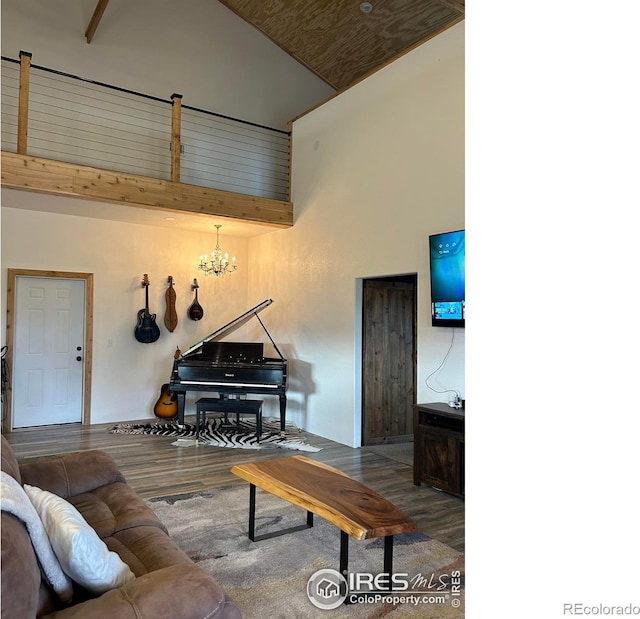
(78,358)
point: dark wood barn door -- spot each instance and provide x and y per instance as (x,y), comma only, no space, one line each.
(388,359)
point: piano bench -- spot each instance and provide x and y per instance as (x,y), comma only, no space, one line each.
(234,406)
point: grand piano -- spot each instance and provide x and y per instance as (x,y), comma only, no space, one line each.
(231,369)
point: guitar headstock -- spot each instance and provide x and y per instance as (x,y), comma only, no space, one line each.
(194,286)
(170,280)
(145,280)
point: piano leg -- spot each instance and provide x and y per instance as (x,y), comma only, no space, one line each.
(180,398)
(283,411)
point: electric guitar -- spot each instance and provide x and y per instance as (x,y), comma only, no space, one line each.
(146,331)
(196,312)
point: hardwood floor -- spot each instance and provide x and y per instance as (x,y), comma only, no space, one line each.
(154,468)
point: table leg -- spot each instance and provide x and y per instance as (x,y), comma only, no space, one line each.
(252,520)
(388,556)
(252,512)
(344,552)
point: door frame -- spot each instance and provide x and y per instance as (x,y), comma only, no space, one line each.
(12,275)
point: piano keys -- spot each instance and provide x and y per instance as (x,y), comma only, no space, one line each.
(231,369)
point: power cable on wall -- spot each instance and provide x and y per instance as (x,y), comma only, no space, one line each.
(457,402)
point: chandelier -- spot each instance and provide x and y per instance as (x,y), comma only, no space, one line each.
(219,263)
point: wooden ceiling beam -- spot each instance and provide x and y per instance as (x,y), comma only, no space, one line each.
(95,19)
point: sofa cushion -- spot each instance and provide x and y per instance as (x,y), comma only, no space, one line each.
(146,549)
(72,474)
(82,554)
(114,507)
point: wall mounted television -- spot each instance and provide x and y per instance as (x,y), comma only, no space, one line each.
(446,263)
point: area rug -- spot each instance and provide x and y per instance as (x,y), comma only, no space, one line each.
(268,578)
(217,434)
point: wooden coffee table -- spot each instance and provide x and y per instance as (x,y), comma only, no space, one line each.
(320,489)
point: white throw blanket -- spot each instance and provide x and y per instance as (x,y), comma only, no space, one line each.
(16,502)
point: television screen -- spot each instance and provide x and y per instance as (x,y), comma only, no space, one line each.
(446,261)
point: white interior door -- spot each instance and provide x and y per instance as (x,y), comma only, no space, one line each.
(48,351)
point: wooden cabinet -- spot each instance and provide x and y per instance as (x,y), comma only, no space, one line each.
(438,447)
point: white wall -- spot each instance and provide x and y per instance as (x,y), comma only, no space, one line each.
(375,171)
(127,375)
(197,48)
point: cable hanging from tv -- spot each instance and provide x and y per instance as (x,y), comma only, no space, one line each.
(457,400)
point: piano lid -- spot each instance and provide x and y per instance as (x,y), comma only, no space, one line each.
(232,326)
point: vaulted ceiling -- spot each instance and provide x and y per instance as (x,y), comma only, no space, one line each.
(341,41)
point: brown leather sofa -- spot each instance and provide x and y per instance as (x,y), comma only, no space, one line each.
(167,584)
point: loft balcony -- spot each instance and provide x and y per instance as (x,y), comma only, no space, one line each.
(70,136)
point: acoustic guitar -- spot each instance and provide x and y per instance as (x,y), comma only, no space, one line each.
(167,405)
(170,315)
(195,309)
(146,330)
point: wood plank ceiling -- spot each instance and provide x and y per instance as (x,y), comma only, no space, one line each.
(338,39)
(341,41)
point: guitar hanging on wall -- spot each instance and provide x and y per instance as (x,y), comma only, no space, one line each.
(146,331)
(195,309)
(170,315)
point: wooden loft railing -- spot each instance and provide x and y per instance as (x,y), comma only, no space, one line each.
(232,156)
(66,179)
